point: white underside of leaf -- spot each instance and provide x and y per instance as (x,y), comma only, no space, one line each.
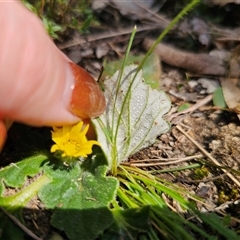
(136,123)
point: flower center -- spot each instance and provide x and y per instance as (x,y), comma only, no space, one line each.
(72,147)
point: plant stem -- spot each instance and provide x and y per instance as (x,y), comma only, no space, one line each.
(23,197)
(115,159)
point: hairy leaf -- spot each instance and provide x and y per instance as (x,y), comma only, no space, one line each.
(81,195)
(133,118)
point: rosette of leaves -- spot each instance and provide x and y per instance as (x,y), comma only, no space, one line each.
(76,198)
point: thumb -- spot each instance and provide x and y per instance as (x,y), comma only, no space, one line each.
(40,86)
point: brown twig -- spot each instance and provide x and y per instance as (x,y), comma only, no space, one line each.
(210,179)
(194,107)
(19,224)
(202,64)
(97,37)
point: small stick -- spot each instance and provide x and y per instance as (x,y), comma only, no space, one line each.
(17,222)
(197,105)
(204,180)
(105,35)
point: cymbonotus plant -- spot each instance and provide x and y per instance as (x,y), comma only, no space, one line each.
(85,185)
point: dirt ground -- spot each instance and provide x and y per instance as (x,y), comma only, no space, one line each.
(216,131)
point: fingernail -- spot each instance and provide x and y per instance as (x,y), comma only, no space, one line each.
(88,100)
(3,134)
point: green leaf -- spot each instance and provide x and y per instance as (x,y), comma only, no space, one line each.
(15,174)
(151,68)
(111,67)
(218,98)
(128,224)
(81,195)
(51,27)
(183,107)
(214,222)
(133,117)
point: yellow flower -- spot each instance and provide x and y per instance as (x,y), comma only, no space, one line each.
(72,140)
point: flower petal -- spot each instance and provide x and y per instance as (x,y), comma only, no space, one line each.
(85,130)
(54,148)
(76,129)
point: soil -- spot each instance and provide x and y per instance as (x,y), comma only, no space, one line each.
(216,130)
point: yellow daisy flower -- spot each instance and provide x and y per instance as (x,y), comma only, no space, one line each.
(72,140)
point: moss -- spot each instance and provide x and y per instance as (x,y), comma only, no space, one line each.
(60,16)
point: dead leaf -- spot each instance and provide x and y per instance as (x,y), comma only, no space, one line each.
(209,84)
(231,92)
(234,62)
(201,29)
(135,8)
(221,2)
(197,28)
(102,50)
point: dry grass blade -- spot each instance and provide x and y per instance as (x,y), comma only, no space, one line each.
(178,160)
